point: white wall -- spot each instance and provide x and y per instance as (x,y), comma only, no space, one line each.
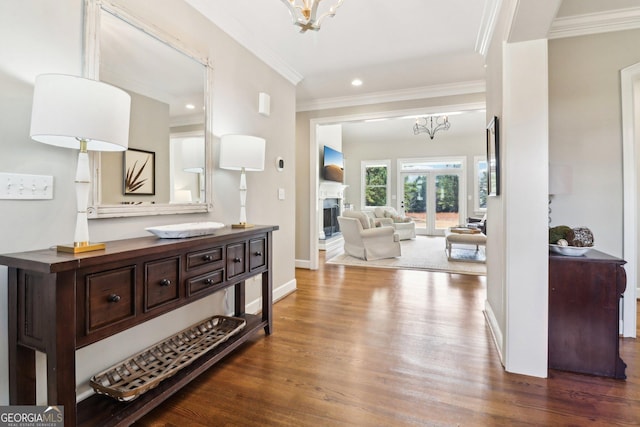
(586,133)
(45,37)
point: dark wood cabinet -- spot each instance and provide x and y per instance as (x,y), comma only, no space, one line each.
(60,302)
(584,312)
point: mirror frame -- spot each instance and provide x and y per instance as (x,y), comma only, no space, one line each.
(93,10)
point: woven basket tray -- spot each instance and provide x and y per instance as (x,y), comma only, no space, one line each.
(144,371)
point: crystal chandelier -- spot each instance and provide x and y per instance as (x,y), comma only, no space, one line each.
(303,13)
(430,125)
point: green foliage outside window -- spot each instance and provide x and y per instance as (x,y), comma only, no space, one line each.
(376,186)
(447,190)
(482,190)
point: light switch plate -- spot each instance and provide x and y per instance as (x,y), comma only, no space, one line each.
(18,186)
(280,193)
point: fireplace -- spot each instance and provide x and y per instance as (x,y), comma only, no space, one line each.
(330,213)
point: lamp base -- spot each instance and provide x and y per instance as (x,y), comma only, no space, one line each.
(242,225)
(75,248)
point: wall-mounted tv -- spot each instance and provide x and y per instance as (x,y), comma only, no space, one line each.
(332,165)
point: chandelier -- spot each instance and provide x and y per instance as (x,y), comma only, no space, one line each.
(430,125)
(303,13)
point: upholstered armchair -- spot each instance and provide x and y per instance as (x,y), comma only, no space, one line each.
(387,216)
(363,240)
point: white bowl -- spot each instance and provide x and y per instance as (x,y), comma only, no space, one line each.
(181,231)
(569,250)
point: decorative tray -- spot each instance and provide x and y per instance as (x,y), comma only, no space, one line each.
(189,229)
(569,250)
(145,370)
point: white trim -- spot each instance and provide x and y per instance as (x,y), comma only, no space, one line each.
(628,78)
(247,38)
(425,92)
(494,327)
(595,23)
(303,263)
(487,26)
(280,292)
(314,167)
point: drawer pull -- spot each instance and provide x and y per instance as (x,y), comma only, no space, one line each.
(236,260)
(258,253)
(113,298)
(207,258)
(165,282)
(209,282)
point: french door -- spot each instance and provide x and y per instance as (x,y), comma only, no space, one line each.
(433,196)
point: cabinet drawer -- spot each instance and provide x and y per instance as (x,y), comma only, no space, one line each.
(207,257)
(161,279)
(206,281)
(236,259)
(257,256)
(110,297)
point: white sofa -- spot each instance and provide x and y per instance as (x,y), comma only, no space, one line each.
(388,216)
(363,240)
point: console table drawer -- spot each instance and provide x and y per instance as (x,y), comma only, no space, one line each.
(110,297)
(257,257)
(236,259)
(161,282)
(206,281)
(206,257)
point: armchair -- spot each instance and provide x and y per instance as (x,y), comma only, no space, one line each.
(364,241)
(388,216)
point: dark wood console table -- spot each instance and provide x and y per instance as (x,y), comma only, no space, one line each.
(584,312)
(61,302)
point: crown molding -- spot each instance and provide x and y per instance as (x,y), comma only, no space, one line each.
(595,23)
(449,89)
(487,26)
(246,39)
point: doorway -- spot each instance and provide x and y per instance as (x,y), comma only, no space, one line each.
(431,191)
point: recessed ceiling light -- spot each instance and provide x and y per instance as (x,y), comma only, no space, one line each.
(190,106)
(356,82)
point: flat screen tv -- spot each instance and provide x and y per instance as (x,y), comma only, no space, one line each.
(333,165)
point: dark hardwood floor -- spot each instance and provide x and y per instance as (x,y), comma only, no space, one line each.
(372,347)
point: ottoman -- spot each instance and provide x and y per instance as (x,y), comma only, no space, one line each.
(463,236)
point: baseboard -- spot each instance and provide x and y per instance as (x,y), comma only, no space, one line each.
(303,263)
(280,292)
(494,327)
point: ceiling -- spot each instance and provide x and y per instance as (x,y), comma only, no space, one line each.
(395,47)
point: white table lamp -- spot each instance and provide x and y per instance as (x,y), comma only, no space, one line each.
(84,114)
(243,153)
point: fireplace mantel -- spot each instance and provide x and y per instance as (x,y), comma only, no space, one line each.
(331,190)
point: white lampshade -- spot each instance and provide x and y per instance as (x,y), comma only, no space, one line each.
(193,155)
(242,151)
(67,109)
(560,179)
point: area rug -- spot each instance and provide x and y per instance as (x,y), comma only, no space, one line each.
(424,253)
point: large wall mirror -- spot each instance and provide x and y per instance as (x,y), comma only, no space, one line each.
(164,171)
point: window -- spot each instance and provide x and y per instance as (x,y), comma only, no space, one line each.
(480,184)
(375,183)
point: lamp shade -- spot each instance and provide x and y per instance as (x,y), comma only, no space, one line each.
(242,151)
(67,109)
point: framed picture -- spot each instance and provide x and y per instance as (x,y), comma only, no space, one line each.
(139,172)
(493,158)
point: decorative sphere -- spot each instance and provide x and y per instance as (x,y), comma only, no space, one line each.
(562,242)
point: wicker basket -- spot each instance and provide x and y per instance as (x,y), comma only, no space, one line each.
(144,371)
